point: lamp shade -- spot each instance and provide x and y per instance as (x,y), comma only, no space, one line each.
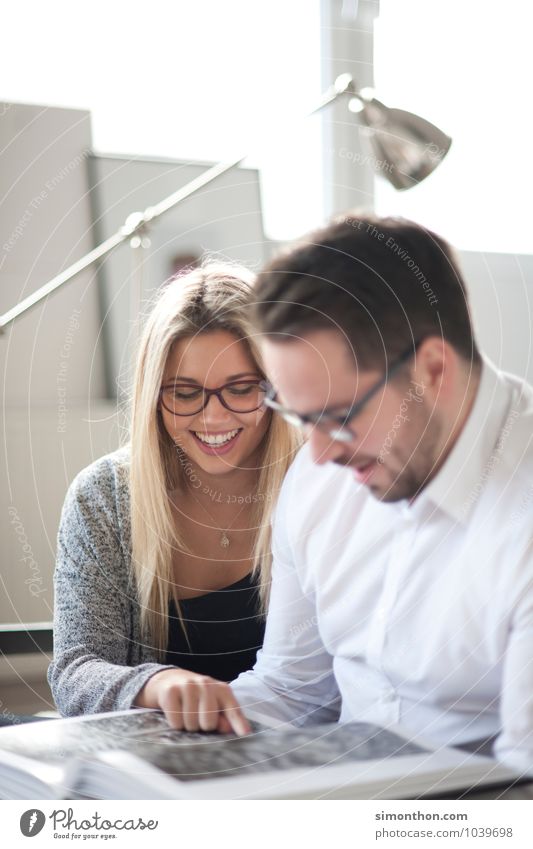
(406,147)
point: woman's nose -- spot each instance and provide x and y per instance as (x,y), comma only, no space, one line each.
(215,410)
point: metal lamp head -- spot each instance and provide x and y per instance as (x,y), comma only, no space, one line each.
(406,147)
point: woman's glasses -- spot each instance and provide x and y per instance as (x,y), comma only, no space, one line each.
(239,396)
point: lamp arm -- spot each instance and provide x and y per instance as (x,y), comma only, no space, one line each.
(135,223)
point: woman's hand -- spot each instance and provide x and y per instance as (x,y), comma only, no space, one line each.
(193,702)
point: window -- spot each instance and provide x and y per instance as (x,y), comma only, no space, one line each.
(466,67)
(183,80)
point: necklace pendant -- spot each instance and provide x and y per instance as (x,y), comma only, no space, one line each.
(224,540)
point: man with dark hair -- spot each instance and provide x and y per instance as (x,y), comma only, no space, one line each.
(402,588)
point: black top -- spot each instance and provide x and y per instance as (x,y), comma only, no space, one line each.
(224,629)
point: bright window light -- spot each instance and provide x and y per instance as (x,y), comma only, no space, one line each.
(184,80)
(466,66)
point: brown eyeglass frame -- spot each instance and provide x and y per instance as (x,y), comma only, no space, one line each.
(207,395)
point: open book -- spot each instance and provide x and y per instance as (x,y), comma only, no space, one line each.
(136,755)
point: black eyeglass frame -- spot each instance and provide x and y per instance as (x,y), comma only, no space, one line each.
(340,431)
(207,395)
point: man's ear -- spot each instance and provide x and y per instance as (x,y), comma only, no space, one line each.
(435,366)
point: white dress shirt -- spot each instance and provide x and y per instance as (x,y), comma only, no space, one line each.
(419,614)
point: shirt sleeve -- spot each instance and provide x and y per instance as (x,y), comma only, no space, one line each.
(293,678)
(93,636)
(514,745)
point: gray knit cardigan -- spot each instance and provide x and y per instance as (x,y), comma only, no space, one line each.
(100,661)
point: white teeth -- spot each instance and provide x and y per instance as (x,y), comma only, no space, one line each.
(216,439)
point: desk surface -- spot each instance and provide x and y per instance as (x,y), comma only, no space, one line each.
(521,791)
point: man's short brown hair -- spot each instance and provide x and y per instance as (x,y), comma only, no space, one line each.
(384,283)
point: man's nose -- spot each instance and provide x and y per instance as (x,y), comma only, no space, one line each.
(323,448)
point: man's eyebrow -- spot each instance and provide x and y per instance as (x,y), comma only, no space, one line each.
(180,379)
(336,410)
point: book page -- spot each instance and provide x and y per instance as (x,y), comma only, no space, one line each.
(213,755)
(62,739)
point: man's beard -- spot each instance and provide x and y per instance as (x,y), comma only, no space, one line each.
(417,463)
(410,465)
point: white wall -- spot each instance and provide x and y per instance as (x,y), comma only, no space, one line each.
(501,294)
(51,359)
(35,473)
(45,225)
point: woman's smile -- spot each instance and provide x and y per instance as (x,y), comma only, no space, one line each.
(217,443)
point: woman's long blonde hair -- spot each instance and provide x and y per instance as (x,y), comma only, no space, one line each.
(212,297)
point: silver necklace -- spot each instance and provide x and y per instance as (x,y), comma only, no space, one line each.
(224,538)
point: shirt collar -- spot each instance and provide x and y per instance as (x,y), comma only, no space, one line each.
(458,483)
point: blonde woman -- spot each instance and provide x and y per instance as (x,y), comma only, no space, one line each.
(163,561)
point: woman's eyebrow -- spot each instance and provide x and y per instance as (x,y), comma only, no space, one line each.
(180,379)
(243,374)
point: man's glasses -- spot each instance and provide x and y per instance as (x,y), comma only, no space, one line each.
(335,425)
(239,396)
